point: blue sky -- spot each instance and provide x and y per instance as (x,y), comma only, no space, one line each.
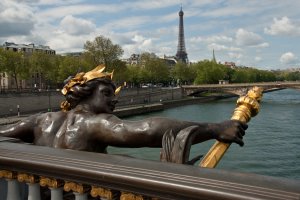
(255,33)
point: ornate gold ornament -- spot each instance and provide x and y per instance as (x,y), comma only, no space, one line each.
(75,187)
(81,78)
(101,192)
(8,174)
(247,107)
(51,182)
(130,196)
(27,178)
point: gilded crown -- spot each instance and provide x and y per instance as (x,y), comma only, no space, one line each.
(81,78)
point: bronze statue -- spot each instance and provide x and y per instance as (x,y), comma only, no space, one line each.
(87,121)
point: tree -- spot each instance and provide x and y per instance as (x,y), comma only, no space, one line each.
(70,66)
(183,73)
(293,76)
(209,72)
(15,65)
(120,76)
(133,74)
(102,51)
(146,57)
(154,69)
(40,63)
(240,76)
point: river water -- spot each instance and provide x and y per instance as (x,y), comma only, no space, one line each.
(272,141)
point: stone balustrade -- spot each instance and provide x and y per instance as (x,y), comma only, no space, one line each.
(27,171)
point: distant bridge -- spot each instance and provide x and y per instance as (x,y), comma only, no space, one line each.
(238,88)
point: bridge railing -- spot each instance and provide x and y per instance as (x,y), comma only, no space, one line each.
(83,175)
(238,88)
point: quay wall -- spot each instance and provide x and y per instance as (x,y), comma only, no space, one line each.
(134,109)
(146,108)
(26,103)
(12,104)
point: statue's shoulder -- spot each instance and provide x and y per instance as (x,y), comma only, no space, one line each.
(101,118)
(48,116)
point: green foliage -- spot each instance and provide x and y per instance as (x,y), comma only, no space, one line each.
(292,76)
(69,66)
(251,75)
(133,74)
(156,71)
(183,73)
(14,64)
(102,51)
(41,62)
(120,76)
(209,72)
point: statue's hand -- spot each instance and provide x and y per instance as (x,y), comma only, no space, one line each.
(230,131)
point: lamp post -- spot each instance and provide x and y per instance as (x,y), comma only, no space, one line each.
(0,83)
(49,100)
(172,86)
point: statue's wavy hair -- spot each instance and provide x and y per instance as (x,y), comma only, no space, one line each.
(81,92)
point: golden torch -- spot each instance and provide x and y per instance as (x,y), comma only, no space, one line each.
(247,106)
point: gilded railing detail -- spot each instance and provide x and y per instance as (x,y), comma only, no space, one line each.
(51,182)
(101,192)
(28,178)
(8,174)
(76,187)
(130,196)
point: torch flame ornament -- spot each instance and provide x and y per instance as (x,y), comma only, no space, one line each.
(247,106)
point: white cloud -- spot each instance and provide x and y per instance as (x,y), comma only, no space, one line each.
(153,4)
(76,26)
(247,38)
(220,39)
(212,39)
(69,42)
(219,47)
(56,2)
(229,10)
(122,38)
(138,38)
(235,55)
(216,47)
(15,19)
(288,58)
(128,22)
(139,44)
(58,12)
(258,58)
(196,39)
(283,26)
(262,45)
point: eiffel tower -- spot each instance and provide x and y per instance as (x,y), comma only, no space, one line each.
(181,54)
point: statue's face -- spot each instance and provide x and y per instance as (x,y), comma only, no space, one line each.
(104,99)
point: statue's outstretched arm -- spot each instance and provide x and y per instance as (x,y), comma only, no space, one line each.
(111,130)
(22,129)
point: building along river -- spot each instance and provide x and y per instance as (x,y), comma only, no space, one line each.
(272,141)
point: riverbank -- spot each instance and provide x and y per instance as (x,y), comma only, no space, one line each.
(136,109)
(13,104)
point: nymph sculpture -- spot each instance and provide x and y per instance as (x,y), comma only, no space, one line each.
(87,123)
